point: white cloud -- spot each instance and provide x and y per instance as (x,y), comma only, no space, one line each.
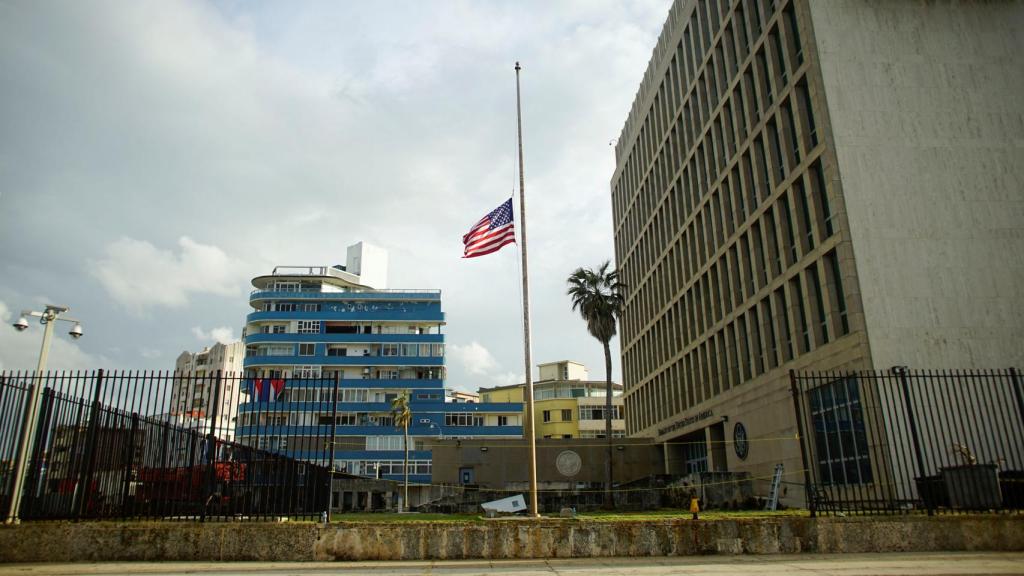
(473,357)
(483,368)
(259,130)
(150,353)
(137,274)
(221,334)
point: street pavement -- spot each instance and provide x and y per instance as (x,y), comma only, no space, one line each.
(946,564)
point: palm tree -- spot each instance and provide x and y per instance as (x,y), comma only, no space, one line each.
(403,416)
(598,296)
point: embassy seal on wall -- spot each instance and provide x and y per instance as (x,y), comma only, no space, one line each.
(568,463)
(739,440)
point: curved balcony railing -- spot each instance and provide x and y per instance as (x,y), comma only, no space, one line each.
(424,315)
(264,338)
(398,294)
(322,360)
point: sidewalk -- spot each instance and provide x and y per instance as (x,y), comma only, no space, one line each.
(952,563)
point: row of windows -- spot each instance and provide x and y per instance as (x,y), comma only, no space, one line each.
(303,418)
(600,434)
(585,413)
(383,467)
(597,412)
(385,443)
(338,350)
(751,262)
(718,206)
(730,205)
(803,313)
(684,120)
(463,419)
(282,306)
(353,328)
(364,373)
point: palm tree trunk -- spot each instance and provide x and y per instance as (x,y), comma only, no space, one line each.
(405,469)
(609,501)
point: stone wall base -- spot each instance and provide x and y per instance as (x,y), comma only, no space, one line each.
(502,538)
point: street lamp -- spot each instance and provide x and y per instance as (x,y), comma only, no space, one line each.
(51,314)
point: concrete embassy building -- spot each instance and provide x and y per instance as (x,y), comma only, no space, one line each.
(329,347)
(566,403)
(814,186)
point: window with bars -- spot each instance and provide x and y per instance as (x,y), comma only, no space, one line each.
(840,435)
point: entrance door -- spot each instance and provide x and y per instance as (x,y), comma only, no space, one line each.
(716,434)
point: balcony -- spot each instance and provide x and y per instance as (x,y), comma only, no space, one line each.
(420,432)
(411,295)
(346,338)
(323,360)
(418,314)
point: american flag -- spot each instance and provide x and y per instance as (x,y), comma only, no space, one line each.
(491,232)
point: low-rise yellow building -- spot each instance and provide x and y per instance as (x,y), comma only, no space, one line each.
(567,403)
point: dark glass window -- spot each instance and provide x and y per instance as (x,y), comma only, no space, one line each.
(840,436)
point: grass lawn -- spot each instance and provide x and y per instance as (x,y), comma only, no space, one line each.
(411,517)
(670,514)
(599,516)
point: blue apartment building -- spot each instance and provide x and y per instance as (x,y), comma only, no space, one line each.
(315,328)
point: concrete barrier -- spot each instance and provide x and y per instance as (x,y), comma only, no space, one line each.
(548,538)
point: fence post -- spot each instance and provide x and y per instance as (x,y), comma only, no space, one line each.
(36,459)
(128,461)
(1015,378)
(211,446)
(795,389)
(901,372)
(85,476)
(334,436)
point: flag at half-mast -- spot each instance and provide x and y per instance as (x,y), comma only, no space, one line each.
(491,233)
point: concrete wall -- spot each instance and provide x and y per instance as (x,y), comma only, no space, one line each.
(504,463)
(111,541)
(927,118)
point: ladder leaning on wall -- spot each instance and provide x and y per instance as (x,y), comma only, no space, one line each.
(773,494)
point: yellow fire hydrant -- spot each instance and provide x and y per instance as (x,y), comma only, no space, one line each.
(694,507)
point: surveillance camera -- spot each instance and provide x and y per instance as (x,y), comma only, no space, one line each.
(21,324)
(76,331)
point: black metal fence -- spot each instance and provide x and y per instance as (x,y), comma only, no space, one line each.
(143,445)
(910,440)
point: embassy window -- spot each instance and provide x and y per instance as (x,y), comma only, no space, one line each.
(567,415)
(547,415)
(840,436)
(307,349)
(502,420)
(285,307)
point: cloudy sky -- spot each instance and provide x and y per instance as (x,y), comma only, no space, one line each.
(155,156)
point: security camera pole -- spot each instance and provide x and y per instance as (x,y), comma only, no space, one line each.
(28,428)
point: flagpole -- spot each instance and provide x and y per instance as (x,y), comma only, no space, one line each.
(531,437)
